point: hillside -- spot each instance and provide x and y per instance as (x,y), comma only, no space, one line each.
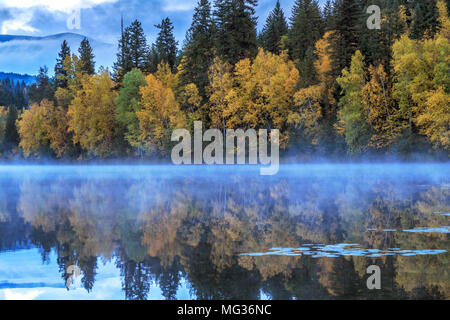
(28,79)
(25,54)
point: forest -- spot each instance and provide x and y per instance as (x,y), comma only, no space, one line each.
(332,86)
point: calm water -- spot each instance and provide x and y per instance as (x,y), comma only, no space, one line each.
(164,232)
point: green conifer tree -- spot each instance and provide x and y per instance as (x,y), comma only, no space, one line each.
(86,57)
(306,28)
(275,28)
(199,47)
(236,29)
(60,73)
(166,45)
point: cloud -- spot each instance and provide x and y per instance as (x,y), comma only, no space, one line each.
(23,11)
(66,6)
(20,22)
(178,5)
(11,294)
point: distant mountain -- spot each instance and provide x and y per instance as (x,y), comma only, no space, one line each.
(25,54)
(18,77)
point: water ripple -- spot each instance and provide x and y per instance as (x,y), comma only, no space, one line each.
(340,250)
(429,230)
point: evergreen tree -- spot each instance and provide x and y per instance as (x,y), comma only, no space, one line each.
(19,91)
(236,29)
(11,136)
(86,57)
(306,28)
(166,45)
(199,47)
(425,18)
(153,60)
(275,28)
(132,51)
(42,89)
(346,38)
(376,45)
(137,45)
(60,73)
(327,15)
(123,63)
(307,69)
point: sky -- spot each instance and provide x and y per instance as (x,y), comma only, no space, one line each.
(23,276)
(100,19)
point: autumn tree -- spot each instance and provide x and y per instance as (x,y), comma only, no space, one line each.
(168,78)
(159,116)
(43,129)
(56,126)
(382,114)
(317,110)
(422,84)
(33,133)
(444,19)
(352,115)
(262,95)
(220,82)
(190,103)
(73,75)
(3,115)
(92,115)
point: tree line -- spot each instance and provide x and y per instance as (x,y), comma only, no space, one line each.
(330,85)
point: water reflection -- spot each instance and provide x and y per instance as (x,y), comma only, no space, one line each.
(162,232)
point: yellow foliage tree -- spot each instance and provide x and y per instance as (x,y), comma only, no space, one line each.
(44,125)
(382,114)
(190,102)
(56,125)
(92,115)
(317,101)
(444,20)
(32,128)
(262,95)
(3,115)
(422,86)
(167,77)
(324,68)
(434,121)
(159,116)
(73,67)
(220,83)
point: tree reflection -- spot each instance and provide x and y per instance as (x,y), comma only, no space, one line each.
(161,231)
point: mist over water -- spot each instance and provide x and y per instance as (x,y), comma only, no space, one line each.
(225,232)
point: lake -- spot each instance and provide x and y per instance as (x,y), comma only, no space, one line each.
(204,232)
